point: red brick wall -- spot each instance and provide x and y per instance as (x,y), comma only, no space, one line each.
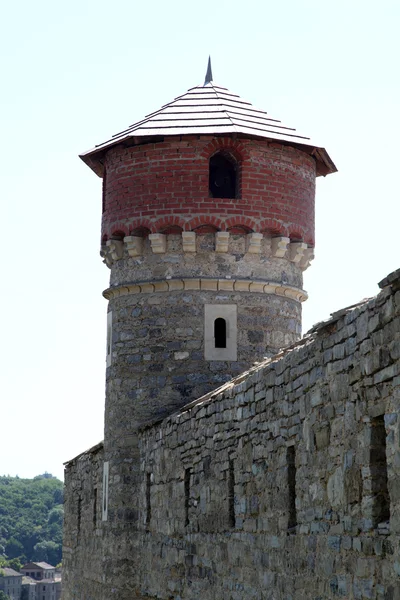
(162,184)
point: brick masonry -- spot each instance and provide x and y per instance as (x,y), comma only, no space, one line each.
(156,185)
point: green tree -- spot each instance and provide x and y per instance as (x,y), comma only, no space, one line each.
(15,564)
(3,596)
(56,515)
(14,548)
(47,552)
(31,512)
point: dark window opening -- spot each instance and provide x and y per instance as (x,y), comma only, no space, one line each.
(105,483)
(379,477)
(187,495)
(222,176)
(94,507)
(291,470)
(148,499)
(79,514)
(231,494)
(220,332)
(104,189)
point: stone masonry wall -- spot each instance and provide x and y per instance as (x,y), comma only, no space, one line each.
(83,527)
(283,484)
(273,487)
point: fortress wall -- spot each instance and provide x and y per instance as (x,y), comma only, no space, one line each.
(228,512)
(272,487)
(83,527)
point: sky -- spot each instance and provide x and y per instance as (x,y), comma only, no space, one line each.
(74,73)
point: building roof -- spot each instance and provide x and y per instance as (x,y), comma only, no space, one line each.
(8,572)
(37,565)
(209,109)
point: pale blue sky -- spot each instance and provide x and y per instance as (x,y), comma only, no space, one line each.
(74,73)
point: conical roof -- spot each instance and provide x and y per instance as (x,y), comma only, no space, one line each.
(210,109)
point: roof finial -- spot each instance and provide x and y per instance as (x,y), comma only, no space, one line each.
(209,76)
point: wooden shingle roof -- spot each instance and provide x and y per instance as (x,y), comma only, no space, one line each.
(209,109)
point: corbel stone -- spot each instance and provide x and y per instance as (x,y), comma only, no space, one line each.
(134,245)
(254,243)
(115,248)
(189,241)
(279,246)
(296,251)
(106,256)
(158,242)
(221,241)
(308,256)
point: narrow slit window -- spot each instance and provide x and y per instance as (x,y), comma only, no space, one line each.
(291,471)
(79,514)
(148,499)
(105,492)
(220,332)
(222,176)
(378,467)
(231,494)
(94,507)
(187,495)
(109,339)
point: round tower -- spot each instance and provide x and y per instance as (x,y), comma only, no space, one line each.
(207,227)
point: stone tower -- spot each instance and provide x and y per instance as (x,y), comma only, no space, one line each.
(207,227)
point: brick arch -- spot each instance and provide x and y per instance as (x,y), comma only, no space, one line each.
(239,230)
(169,222)
(240,221)
(234,147)
(300,234)
(273,227)
(143,224)
(209,220)
(296,234)
(140,231)
(119,232)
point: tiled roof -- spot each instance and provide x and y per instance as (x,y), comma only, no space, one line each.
(8,572)
(210,109)
(40,565)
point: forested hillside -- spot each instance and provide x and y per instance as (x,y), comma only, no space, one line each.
(31,519)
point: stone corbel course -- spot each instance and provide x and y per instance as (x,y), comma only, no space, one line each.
(189,241)
(221,241)
(308,256)
(134,245)
(211,285)
(115,248)
(279,246)
(254,243)
(158,242)
(296,251)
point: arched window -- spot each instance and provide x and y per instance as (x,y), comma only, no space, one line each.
(222,176)
(220,332)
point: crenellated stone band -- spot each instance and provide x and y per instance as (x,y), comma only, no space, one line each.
(209,285)
(281,247)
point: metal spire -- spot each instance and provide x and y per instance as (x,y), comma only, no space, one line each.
(209,76)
